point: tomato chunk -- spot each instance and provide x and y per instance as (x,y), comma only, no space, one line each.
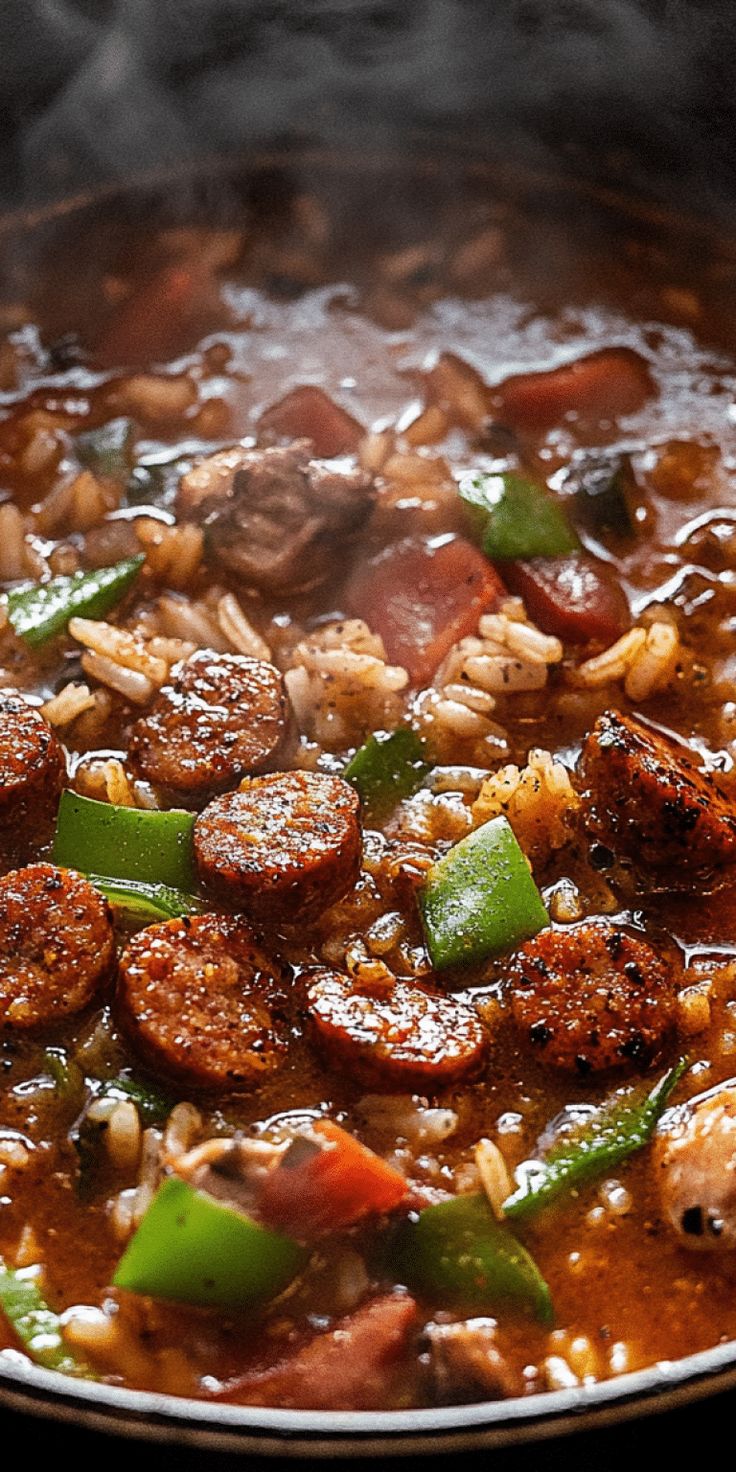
(421,596)
(160,318)
(322,1189)
(309,413)
(603,385)
(575,598)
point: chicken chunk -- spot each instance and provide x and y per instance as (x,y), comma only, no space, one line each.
(695,1163)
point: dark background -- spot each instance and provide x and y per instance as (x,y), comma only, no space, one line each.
(640,93)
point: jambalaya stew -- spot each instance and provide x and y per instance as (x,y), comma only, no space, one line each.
(368,821)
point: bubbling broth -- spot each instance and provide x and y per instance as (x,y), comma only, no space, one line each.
(367,809)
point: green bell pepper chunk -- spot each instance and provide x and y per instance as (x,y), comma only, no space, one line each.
(194,1249)
(144,904)
(109,449)
(514,518)
(39,613)
(460,1254)
(124,843)
(389,767)
(480,899)
(620,1127)
(35,1324)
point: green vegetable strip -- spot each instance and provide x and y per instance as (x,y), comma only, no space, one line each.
(153,1106)
(459,1253)
(147,903)
(386,769)
(67,1075)
(193,1249)
(480,899)
(621,1127)
(125,843)
(38,613)
(513,517)
(35,1325)
(108,450)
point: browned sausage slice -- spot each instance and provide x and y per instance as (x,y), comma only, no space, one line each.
(223,716)
(592,997)
(203,1003)
(56,945)
(32,773)
(402,1035)
(354,1366)
(284,847)
(649,802)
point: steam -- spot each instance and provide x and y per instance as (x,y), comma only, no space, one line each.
(99,89)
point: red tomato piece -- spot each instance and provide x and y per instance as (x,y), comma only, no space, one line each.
(574,597)
(159,318)
(421,596)
(603,385)
(328,1188)
(308,413)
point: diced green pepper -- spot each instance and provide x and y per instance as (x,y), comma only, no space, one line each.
(480,899)
(144,904)
(389,767)
(109,450)
(458,1253)
(193,1249)
(124,843)
(514,518)
(40,612)
(36,1325)
(620,1127)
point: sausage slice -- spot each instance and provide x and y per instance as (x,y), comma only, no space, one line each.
(592,997)
(284,847)
(32,773)
(650,803)
(56,945)
(223,716)
(203,1003)
(402,1036)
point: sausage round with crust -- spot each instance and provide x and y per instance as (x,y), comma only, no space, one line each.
(223,716)
(56,945)
(649,803)
(32,773)
(285,847)
(202,1002)
(592,997)
(402,1035)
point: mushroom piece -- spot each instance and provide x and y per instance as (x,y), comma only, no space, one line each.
(695,1162)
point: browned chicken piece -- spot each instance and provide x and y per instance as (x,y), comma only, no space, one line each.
(56,945)
(592,997)
(285,847)
(276,518)
(32,775)
(203,1004)
(648,802)
(222,716)
(694,1160)
(466,1363)
(398,1035)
